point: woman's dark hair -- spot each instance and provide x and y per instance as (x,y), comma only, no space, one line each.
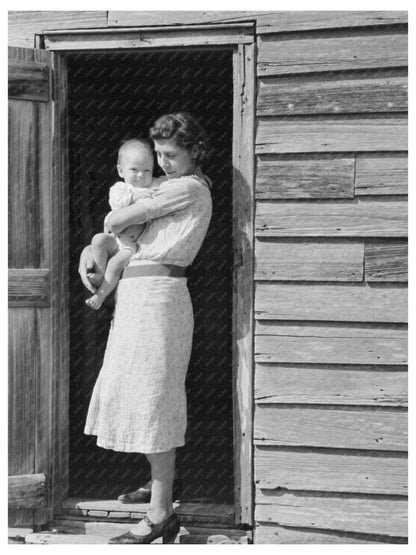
(185,130)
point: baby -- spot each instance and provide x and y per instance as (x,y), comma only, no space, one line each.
(111,252)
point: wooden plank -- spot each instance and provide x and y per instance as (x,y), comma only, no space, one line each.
(60,272)
(30,234)
(106,530)
(386,261)
(375,473)
(28,81)
(161,18)
(266,21)
(24,222)
(381,174)
(370,515)
(319,176)
(350,50)
(29,287)
(273,533)
(343,385)
(332,219)
(110,38)
(220,514)
(341,428)
(330,344)
(23,365)
(44,462)
(16,535)
(27,491)
(243,294)
(331,134)
(309,260)
(376,91)
(339,302)
(100,533)
(24,24)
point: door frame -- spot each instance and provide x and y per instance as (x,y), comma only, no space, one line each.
(240,39)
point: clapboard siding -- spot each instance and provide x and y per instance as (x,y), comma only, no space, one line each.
(336,344)
(269,533)
(311,260)
(334,385)
(371,428)
(342,303)
(331,134)
(266,21)
(373,515)
(332,219)
(331,51)
(24,24)
(385,261)
(317,176)
(381,174)
(369,92)
(336,471)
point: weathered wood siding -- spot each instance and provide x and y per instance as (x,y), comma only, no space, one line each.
(330,266)
(330,422)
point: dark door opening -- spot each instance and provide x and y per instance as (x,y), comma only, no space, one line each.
(114,96)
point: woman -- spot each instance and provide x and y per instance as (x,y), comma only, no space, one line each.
(139,400)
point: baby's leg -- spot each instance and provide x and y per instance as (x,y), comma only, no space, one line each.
(113,272)
(103,246)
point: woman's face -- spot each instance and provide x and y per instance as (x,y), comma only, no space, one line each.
(174,160)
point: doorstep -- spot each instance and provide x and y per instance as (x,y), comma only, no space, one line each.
(99,532)
(110,510)
(95,521)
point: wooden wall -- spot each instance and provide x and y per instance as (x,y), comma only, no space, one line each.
(330,273)
(331,286)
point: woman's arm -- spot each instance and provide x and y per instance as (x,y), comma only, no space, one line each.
(123,217)
(172,196)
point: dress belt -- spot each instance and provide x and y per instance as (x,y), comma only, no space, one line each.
(169,270)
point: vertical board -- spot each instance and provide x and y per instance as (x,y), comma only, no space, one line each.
(243,237)
(30,369)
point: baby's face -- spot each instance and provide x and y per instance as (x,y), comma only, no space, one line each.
(136,167)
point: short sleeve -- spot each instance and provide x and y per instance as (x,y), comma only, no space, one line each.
(172,196)
(120,195)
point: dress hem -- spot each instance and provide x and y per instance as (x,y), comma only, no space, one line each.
(126,447)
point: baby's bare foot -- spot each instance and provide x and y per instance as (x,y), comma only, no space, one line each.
(95,278)
(94,302)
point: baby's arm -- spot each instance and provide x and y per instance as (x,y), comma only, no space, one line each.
(112,275)
(120,195)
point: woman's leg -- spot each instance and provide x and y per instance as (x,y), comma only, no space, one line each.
(163,471)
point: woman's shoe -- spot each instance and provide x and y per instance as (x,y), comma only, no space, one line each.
(142,495)
(167,529)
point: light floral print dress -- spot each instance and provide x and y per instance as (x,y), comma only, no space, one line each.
(139,400)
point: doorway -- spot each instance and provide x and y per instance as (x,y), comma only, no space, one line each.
(116,96)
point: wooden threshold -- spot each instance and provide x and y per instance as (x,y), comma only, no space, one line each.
(84,532)
(95,521)
(110,510)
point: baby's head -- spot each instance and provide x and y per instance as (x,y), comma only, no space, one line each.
(135,163)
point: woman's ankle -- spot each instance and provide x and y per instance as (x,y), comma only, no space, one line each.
(158,515)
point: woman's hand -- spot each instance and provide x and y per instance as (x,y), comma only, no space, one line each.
(86,264)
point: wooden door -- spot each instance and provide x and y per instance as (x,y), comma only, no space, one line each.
(36,290)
